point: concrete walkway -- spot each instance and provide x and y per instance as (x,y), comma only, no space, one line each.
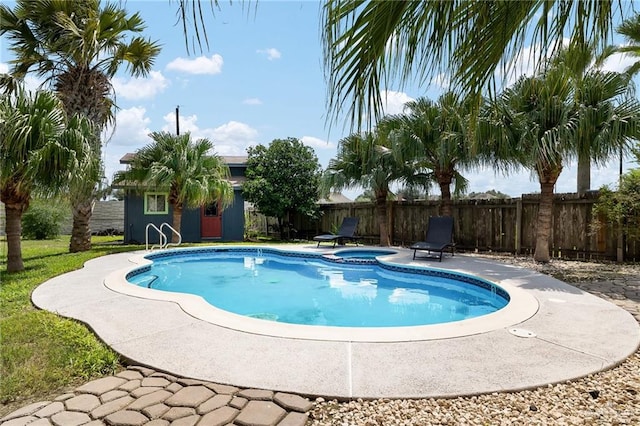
(571,335)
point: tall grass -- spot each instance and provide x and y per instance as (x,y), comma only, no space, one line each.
(40,352)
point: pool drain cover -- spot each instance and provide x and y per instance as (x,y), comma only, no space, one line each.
(521,332)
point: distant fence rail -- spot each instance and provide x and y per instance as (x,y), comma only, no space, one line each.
(507,225)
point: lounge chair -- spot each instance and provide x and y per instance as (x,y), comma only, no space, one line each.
(439,237)
(345,233)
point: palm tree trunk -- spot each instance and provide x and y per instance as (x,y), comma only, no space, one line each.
(584,173)
(445,198)
(545,211)
(177,221)
(381,212)
(14,211)
(81,232)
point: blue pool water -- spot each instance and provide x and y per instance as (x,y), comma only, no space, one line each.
(310,290)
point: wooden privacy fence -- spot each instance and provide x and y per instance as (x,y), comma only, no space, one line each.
(488,225)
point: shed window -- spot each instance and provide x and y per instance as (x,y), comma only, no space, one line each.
(156,203)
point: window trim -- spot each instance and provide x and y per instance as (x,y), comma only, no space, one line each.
(166,203)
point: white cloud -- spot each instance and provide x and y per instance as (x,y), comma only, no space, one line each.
(393,102)
(317,143)
(231,138)
(618,62)
(199,65)
(141,87)
(252,101)
(131,128)
(4,68)
(271,53)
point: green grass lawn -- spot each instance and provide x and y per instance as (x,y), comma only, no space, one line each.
(42,353)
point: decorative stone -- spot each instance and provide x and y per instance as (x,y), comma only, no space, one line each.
(131,385)
(176,413)
(155,381)
(219,417)
(143,370)
(238,402)
(190,382)
(150,399)
(20,421)
(294,419)
(137,393)
(169,377)
(70,418)
(130,375)
(224,389)
(174,387)
(157,422)
(126,418)
(214,403)
(186,421)
(293,402)
(65,396)
(25,411)
(191,396)
(41,422)
(260,413)
(49,410)
(100,386)
(84,403)
(155,411)
(257,394)
(111,395)
(111,407)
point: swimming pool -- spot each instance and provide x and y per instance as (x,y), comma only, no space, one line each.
(315,290)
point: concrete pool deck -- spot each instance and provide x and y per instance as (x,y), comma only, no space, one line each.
(572,334)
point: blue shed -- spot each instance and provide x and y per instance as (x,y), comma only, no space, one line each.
(206,223)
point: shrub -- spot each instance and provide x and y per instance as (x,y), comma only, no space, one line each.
(42,221)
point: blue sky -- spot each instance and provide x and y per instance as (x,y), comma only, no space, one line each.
(260,79)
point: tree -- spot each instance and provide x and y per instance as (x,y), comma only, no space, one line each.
(283,179)
(608,114)
(40,152)
(437,137)
(630,29)
(78,45)
(192,175)
(364,159)
(373,43)
(532,125)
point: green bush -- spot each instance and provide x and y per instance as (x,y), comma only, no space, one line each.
(43,219)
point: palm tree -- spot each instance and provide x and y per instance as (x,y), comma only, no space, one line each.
(192,175)
(370,43)
(436,136)
(532,125)
(606,109)
(78,45)
(363,160)
(40,152)
(630,29)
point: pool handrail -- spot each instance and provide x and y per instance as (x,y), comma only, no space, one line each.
(167,243)
(163,237)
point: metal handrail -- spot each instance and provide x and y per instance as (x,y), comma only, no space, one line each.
(163,237)
(167,243)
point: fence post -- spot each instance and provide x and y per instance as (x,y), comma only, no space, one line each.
(518,232)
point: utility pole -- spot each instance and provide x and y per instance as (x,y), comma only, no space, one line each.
(177,119)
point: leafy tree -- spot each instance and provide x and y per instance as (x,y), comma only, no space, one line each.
(630,29)
(192,175)
(369,43)
(364,160)
(283,179)
(79,46)
(43,219)
(621,207)
(40,151)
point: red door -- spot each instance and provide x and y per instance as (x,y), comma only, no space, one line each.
(210,221)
